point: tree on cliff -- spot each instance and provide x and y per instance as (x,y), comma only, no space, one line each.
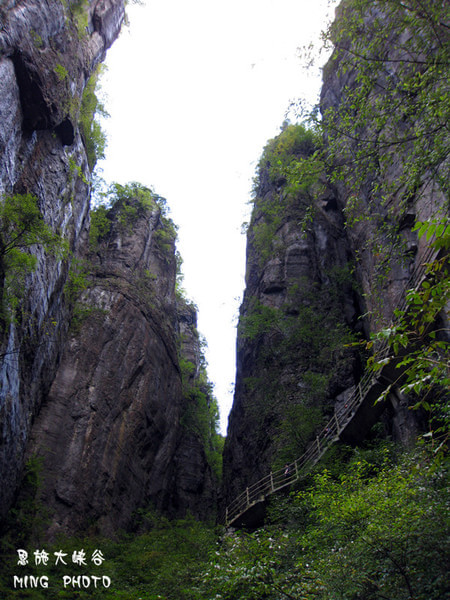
(21,228)
(418,342)
(385,139)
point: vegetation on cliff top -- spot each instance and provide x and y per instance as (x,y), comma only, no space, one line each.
(122,206)
(125,204)
(386,143)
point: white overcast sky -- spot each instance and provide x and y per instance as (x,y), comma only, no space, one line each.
(194,89)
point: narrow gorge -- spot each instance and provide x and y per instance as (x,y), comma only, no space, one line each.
(108,421)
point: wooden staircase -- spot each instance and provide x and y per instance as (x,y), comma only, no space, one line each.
(358,415)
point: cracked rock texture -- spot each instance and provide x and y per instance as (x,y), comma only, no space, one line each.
(288,271)
(295,288)
(48,51)
(110,430)
(102,402)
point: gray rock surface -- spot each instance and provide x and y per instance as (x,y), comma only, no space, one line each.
(381,236)
(296,278)
(110,431)
(47,54)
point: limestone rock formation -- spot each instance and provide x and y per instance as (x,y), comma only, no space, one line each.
(102,403)
(386,165)
(48,51)
(298,306)
(110,431)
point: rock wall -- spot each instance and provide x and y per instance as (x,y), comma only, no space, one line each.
(302,236)
(110,430)
(298,307)
(48,51)
(401,181)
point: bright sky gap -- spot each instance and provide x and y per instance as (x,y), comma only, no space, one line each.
(194,91)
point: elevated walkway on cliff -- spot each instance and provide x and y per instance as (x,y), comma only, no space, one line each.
(359,414)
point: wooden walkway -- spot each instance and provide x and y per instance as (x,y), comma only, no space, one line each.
(360,411)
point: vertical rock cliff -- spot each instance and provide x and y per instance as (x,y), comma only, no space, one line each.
(299,308)
(385,112)
(94,340)
(48,52)
(111,430)
(330,246)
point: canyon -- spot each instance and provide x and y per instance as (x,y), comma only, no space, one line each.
(102,376)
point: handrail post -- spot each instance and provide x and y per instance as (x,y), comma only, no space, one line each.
(344,415)
(337,422)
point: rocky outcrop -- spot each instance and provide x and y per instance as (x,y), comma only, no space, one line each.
(398,144)
(103,403)
(298,306)
(110,430)
(48,51)
(332,257)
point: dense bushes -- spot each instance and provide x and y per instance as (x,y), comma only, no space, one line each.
(374,530)
(125,204)
(160,564)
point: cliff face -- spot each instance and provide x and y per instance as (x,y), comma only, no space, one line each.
(110,431)
(299,306)
(397,140)
(90,376)
(48,51)
(330,257)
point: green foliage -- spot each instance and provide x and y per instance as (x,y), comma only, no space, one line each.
(259,320)
(93,135)
(100,225)
(126,204)
(295,142)
(291,167)
(79,10)
(201,414)
(77,281)
(398,55)
(22,228)
(61,72)
(24,523)
(36,38)
(76,169)
(161,564)
(376,531)
(418,341)
(165,237)
(370,528)
(386,138)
